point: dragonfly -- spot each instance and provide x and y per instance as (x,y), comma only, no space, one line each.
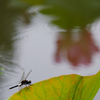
(23,81)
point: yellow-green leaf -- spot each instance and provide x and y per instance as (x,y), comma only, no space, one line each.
(65,87)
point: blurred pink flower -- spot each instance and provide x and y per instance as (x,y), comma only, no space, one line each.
(77,53)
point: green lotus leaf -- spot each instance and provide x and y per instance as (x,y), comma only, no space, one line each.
(65,87)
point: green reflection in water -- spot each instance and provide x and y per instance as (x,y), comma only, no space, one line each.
(2,69)
(8,16)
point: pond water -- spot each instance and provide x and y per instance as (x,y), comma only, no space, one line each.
(28,41)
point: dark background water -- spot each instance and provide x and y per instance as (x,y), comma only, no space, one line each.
(28,41)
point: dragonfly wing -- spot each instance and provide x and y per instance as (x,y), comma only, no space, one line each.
(27,75)
(22,77)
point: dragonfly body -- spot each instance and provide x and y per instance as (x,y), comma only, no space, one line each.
(23,82)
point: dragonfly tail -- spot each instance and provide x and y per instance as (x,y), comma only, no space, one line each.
(13,87)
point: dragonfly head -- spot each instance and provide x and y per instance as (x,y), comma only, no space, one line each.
(29,81)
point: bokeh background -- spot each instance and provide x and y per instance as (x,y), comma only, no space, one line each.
(51,37)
